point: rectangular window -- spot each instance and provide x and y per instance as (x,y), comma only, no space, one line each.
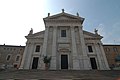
(63,33)
(90,49)
(107,49)
(8,57)
(115,49)
(37,48)
(17,58)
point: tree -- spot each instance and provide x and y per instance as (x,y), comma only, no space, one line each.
(47,60)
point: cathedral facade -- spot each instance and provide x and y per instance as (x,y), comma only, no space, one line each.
(69,46)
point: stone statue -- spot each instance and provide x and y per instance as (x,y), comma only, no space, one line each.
(31,31)
(96,31)
(63,10)
(77,14)
(48,14)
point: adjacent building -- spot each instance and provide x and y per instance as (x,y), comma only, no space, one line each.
(69,46)
(11,56)
(113,55)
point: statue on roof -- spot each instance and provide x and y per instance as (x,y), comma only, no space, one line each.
(77,14)
(96,31)
(63,10)
(48,14)
(31,31)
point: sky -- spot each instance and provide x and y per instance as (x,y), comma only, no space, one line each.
(17,17)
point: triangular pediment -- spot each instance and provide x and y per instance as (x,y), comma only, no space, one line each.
(91,35)
(36,35)
(64,16)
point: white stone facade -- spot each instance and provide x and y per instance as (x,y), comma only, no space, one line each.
(69,46)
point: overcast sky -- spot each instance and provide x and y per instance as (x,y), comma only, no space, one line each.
(17,17)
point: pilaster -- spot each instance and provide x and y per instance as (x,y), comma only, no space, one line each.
(29,57)
(45,41)
(99,57)
(53,60)
(106,66)
(26,61)
(76,65)
(24,57)
(85,59)
(44,48)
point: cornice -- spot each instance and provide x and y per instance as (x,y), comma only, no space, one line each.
(92,38)
(63,20)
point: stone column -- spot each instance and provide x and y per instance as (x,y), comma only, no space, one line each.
(106,66)
(76,65)
(86,62)
(44,48)
(53,60)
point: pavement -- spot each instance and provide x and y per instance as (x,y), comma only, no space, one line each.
(59,75)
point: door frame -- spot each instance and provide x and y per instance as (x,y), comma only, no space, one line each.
(96,63)
(66,59)
(60,61)
(32,62)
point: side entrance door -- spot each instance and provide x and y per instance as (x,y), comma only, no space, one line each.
(93,63)
(64,61)
(35,63)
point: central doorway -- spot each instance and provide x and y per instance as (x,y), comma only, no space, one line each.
(93,63)
(35,63)
(64,61)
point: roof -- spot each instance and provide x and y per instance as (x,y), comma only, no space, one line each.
(111,44)
(11,46)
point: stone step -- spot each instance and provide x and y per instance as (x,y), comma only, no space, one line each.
(59,75)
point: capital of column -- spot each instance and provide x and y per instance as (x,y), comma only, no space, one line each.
(72,27)
(80,27)
(47,27)
(55,27)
